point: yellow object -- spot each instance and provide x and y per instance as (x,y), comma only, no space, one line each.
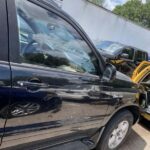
(141,71)
(137,72)
(138,75)
(117,61)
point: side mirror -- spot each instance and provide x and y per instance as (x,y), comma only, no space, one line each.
(109,73)
(124,55)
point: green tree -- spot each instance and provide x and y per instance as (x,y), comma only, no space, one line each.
(136,11)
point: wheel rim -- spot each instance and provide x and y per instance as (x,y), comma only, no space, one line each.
(118,135)
(24,109)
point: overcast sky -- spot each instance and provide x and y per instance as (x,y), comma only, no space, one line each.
(111,4)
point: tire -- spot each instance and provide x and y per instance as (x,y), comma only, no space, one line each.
(122,121)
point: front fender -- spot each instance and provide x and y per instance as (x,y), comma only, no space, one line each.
(133,108)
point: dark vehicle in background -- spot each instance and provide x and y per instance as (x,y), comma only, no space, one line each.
(56,91)
(125,58)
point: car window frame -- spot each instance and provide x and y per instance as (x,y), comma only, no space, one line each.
(145,55)
(128,47)
(3,32)
(142,54)
(14,46)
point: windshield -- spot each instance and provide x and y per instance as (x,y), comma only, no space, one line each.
(109,47)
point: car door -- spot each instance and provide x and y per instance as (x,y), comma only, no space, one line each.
(56,88)
(5,82)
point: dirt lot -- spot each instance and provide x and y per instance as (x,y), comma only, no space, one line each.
(139,138)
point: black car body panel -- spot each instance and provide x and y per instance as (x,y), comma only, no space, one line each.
(65,106)
(5,74)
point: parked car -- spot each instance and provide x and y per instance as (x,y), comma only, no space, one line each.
(141,75)
(125,58)
(56,91)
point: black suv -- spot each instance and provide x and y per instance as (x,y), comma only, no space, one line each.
(125,58)
(56,92)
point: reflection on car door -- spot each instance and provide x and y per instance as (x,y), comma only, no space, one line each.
(56,89)
(63,103)
(5,87)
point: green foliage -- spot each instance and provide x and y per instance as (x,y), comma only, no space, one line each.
(136,11)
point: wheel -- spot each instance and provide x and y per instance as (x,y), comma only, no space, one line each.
(116,131)
(20,109)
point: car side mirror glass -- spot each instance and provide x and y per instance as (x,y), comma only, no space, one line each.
(109,73)
(124,55)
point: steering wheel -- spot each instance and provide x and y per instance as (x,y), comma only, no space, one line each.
(27,48)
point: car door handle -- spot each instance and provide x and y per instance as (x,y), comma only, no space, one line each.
(29,84)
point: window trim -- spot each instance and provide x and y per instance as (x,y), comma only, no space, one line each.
(3,32)
(14,33)
(131,49)
(145,55)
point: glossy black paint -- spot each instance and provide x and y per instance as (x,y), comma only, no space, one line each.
(71,102)
(72,105)
(3,32)
(5,82)
(5,88)
(125,96)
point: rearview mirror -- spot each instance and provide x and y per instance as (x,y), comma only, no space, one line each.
(109,73)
